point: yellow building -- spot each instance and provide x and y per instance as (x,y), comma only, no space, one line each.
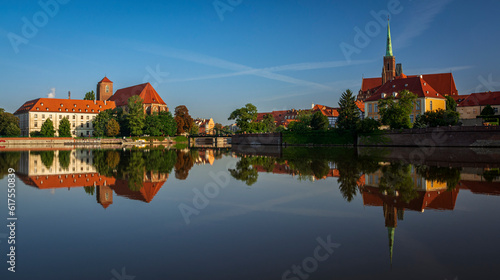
(428,99)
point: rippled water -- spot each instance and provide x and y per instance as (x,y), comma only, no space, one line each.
(253,213)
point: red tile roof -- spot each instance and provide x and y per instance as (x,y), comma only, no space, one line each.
(105,80)
(145,91)
(326,110)
(459,98)
(417,85)
(482,99)
(444,83)
(370,83)
(146,194)
(361,105)
(481,187)
(67,180)
(65,105)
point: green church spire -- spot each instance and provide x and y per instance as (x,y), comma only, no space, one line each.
(388,51)
(390,231)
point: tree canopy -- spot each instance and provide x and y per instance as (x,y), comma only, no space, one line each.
(244,117)
(135,116)
(47,129)
(348,111)
(64,128)
(396,112)
(319,121)
(451,104)
(89,96)
(9,124)
(488,111)
(112,128)
(183,119)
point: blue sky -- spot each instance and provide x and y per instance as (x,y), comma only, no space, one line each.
(215,56)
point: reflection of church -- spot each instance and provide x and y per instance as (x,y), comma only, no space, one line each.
(431,194)
(81,173)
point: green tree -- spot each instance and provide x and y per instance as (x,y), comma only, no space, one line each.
(438,117)
(194,129)
(303,122)
(396,112)
(135,116)
(100,121)
(47,129)
(89,96)
(64,128)
(488,111)
(244,117)
(451,104)
(348,111)
(269,123)
(112,128)
(169,125)
(183,119)
(319,121)
(9,124)
(368,125)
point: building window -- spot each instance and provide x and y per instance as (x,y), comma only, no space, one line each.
(107,88)
(73,124)
(411,118)
(60,117)
(50,116)
(431,105)
(418,105)
(87,117)
(81,125)
(375,106)
(43,116)
(369,108)
(74,116)
(88,124)
(36,124)
(81,117)
(36,116)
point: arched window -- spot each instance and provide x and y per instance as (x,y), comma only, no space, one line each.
(107,88)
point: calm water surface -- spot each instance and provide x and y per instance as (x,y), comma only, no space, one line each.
(253,213)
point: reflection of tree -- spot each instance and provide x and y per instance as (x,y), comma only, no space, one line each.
(490,175)
(134,169)
(89,190)
(160,160)
(47,157)
(185,162)
(450,176)
(101,162)
(112,158)
(64,159)
(244,171)
(397,177)
(349,175)
(8,160)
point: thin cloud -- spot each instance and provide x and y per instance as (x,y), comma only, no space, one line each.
(243,69)
(423,15)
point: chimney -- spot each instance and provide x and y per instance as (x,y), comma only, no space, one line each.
(69,94)
(312,106)
(95,102)
(104,102)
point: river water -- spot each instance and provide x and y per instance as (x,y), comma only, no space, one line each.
(252,213)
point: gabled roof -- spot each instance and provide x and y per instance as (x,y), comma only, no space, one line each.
(52,105)
(482,99)
(416,85)
(105,80)
(145,91)
(67,180)
(459,98)
(146,194)
(326,110)
(441,82)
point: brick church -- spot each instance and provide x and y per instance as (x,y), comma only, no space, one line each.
(152,101)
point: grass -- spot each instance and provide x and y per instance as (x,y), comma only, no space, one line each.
(180,138)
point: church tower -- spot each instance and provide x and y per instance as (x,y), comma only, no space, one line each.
(389,69)
(104,89)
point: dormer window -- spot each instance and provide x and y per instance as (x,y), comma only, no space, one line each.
(47,109)
(79,110)
(393,86)
(62,105)
(394,94)
(425,84)
(74,105)
(406,85)
(427,91)
(383,95)
(66,109)
(41,104)
(73,110)
(38,109)
(87,105)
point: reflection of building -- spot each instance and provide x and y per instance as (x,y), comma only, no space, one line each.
(205,156)
(81,173)
(79,113)
(205,126)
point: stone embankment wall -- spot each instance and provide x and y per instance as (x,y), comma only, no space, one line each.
(257,139)
(457,136)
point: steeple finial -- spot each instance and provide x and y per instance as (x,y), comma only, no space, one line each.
(388,51)
(390,231)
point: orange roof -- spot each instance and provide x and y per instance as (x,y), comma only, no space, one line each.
(105,80)
(459,98)
(416,85)
(370,83)
(442,82)
(145,91)
(53,105)
(361,105)
(146,194)
(326,110)
(482,99)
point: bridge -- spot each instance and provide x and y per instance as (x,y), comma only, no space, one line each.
(209,141)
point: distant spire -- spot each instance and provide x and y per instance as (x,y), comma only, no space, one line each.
(388,51)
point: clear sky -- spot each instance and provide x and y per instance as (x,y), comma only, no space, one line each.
(215,56)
